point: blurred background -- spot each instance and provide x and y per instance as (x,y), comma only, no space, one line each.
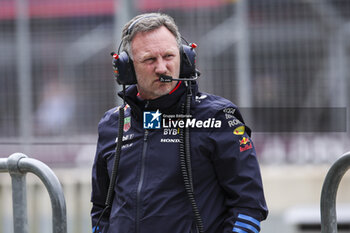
(284,63)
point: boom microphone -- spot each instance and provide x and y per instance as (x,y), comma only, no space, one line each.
(167,79)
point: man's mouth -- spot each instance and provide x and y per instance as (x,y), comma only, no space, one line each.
(158,81)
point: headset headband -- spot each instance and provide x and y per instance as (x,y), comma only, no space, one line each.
(132,25)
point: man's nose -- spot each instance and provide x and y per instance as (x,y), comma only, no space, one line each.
(161,66)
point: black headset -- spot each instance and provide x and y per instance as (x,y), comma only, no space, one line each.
(123,68)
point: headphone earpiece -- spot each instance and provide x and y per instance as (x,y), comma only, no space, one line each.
(123,69)
(187,61)
(124,72)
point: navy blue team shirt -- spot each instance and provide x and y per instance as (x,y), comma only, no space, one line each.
(149,193)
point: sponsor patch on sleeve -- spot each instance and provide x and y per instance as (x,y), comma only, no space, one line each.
(240,130)
(229,111)
(245,144)
(231,119)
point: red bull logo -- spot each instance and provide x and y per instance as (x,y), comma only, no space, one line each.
(244,144)
(244,141)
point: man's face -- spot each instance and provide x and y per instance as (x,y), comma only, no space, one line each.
(155,53)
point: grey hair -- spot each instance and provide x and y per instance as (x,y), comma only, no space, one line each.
(145,23)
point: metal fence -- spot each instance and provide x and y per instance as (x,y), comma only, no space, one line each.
(329,194)
(56,76)
(76,189)
(18,165)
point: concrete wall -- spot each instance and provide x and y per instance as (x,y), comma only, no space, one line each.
(292,193)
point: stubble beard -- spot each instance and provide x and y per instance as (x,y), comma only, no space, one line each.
(155,90)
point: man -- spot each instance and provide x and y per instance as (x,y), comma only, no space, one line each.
(219,190)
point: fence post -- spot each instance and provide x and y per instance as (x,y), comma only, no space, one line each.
(329,193)
(19,194)
(18,165)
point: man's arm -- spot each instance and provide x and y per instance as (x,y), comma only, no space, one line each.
(100,181)
(238,173)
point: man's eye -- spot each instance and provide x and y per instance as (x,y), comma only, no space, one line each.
(151,59)
(168,56)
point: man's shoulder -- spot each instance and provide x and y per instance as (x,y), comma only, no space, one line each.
(222,109)
(213,102)
(111,114)
(217,106)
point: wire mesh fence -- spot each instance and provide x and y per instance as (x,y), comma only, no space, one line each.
(56,75)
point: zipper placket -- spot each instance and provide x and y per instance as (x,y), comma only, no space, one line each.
(139,187)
